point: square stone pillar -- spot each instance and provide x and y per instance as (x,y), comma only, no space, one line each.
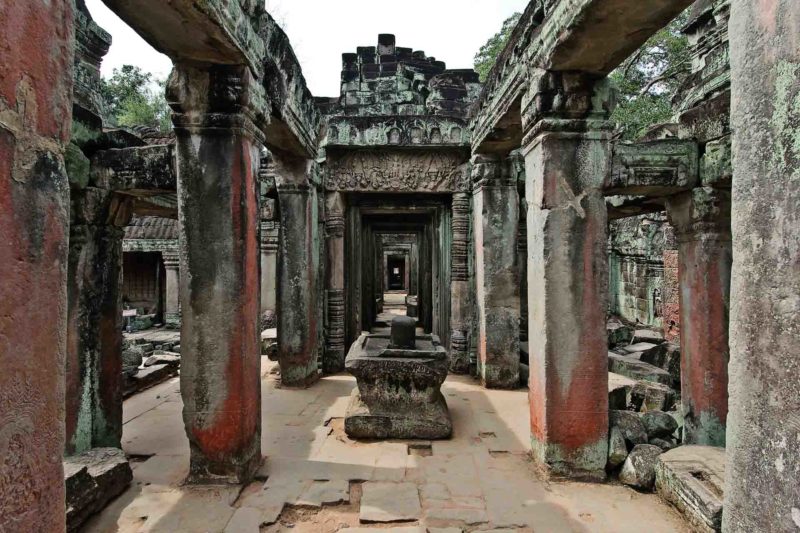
(335,350)
(269,262)
(762,491)
(701,218)
(172,306)
(496,217)
(94,320)
(567,157)
(298,267)
(35,118)
(218,159)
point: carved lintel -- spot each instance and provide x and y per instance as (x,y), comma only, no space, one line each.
(399,171)
(654,169)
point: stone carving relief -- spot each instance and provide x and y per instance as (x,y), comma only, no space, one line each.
(395,171)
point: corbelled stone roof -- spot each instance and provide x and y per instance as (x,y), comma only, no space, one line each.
(152,228)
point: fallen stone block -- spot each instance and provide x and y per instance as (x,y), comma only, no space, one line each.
(633,368)
(148,377)
(637,348)
(666,356)
(665,444)
(92,480)
(659,425)
(692,478)
(630,425)
(653,336)
(649,396)
(619,390)
(618,333)
(617,448)
(163,358)
(639,470)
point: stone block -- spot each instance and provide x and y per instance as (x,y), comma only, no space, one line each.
(631,367)
(383,501)
(639,470)
(666,356)
(629,425)
(618,333)
(619,391)
(659,425)
(163,358)
(692,478)
(648,396)
(617,448)
(93,479)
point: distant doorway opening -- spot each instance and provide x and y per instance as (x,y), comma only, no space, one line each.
(396,267)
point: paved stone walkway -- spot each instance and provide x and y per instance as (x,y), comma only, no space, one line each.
(317,480)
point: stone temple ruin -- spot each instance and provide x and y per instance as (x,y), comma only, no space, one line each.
(646,293)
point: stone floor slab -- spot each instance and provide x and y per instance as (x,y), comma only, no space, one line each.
(389,502)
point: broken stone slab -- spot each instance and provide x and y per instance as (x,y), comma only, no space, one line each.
(148,377)
(93,479)
(639,470)
(666,356)
(692,478)
(636,348)
(325,493)
(652,336)
(383,501)
(619,390)
(618,332)
(163,358)
(659,425)
(649,396)
(617,448)
(630,425)
(631,367)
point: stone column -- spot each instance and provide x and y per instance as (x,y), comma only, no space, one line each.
(269,262)
(567,155)
(94,320)
(763,435)
(335,349)
(172,310)
(35,117)
(496,217)
(218,159)
(459,285)
(298,322)
(701,218)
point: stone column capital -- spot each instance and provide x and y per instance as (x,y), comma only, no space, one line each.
(567,103)
(224,97)
(491,170)
(703,212)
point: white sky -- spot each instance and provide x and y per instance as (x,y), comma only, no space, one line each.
(321,30)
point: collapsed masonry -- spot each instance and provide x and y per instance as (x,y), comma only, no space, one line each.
(506,205)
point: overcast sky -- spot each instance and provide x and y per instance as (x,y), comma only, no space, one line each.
(321,30)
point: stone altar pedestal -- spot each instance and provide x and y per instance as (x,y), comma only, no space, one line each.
(399,380)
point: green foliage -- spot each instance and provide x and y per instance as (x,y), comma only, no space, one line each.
(649,80)
(134,97)
(487,56)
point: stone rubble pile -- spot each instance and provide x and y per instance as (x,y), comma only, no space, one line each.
(145,364)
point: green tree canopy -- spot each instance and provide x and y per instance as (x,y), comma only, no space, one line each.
(487,55)
(134,97)
(647,81)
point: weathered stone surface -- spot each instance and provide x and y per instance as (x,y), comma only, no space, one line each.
(630,425)
(619,391)
(618,333)
(325,493)
(665,445)
(617,448)
(648,396)
(633,368)
(666,356)
(692,479)
(389,502)
(656,168)
(398,394)
(639,470)
(93,479)
(659,424)
(163,358)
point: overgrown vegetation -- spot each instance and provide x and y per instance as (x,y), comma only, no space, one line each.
(134,97)
(487,55)
(647,81)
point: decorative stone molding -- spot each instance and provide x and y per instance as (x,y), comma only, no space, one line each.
(654,169)
(400,171)
(334,225)
(335,331)
(460,243)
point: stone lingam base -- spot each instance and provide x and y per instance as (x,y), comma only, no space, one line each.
(399,386)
